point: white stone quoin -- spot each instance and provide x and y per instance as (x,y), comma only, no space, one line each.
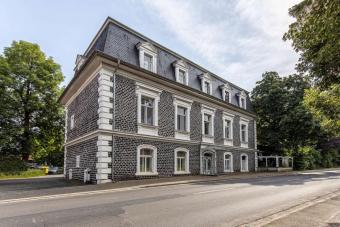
(105,94)
(103,159)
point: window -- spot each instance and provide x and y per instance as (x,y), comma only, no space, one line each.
(228,120)
(207,87)
(244,132)
(208,124)
(147,56)
(181,161)
(72,121)
(146,160)
(181,118)
(181,71)
(228,162)
(77,161)
(226,92)
(147,110)
(148,62)
(206,83)
(242,99)
(227,129)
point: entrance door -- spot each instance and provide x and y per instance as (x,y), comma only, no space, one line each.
(207,163)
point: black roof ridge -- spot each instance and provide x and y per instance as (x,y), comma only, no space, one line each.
(127,28)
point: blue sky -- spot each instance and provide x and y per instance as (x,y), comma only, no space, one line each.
(237,40)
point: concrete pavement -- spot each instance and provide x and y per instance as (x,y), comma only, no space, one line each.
(214,203)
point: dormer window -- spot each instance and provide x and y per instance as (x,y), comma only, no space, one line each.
(242,100)
(147,56)
(226,92)
(181,72)
(206,83)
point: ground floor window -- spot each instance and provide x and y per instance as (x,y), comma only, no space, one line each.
(228,162)
(181,161)
(146,160)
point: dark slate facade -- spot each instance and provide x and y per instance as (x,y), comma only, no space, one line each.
(106,130)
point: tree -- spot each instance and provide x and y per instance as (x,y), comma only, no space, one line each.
(283,122)
(31,83)
(316,36)
(325,106)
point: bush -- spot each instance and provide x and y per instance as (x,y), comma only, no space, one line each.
(12,165)
(330,158)
(22,174)
(307,157)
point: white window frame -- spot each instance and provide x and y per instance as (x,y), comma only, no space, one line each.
(226,88)
(244,121)
(231,162)
(242,95)
(210,111)
(205,77)
(149,49)
(77,161)
(241,164)
(154,160)
(186,103)
(151,92)
(72,121)
(187,169)
(230,117)
(181,65)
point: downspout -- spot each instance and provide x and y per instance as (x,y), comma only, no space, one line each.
(114,116)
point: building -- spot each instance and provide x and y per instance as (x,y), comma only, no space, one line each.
(135,109)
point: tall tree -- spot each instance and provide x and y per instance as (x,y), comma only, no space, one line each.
(316,36)
(283,122)
(31,81)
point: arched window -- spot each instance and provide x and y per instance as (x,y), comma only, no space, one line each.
(244,163)
(181,161)
(146,160)
(228,162)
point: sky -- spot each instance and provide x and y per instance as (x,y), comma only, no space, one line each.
(235,39)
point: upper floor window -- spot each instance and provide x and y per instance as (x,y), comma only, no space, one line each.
(181,72)
(244,132)
(147,109)
(226,92)
(77,161)
(72,121)
(147,56)
(182,117)
(208,124)
(146,160)
(228,120)
(206,85)
(242,99)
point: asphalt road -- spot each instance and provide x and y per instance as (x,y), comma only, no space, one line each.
(227,203)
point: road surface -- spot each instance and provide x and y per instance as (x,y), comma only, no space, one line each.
(222,203)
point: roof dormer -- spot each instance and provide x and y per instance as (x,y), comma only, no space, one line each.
(242,99)
(181,72)
(206,85)
(226,92)
(147,56)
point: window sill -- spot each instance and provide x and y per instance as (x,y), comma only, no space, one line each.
(145,129)
(244,144)
(182,135)
(228,142)
(208,139)
(181,173)
(147,174)
(228,171)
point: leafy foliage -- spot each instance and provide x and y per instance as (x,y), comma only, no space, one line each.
(32,119)
(316,36)
(283,122)
(325,106)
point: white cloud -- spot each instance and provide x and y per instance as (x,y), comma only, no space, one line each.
(238,40)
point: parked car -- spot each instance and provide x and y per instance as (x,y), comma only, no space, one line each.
(53,170)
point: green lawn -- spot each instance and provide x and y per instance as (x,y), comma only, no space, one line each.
(23,174)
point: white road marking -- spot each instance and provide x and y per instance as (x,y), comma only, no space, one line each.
(211,191)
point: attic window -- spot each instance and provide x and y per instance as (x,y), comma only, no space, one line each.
(147,56)
(242,99)
(181,72)
(206,85)
(226,92)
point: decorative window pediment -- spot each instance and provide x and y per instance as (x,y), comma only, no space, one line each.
(147,56)
(181,72)
(206,85)
(226,92)
(242,99)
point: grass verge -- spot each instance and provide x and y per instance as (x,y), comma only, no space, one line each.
(22,174)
